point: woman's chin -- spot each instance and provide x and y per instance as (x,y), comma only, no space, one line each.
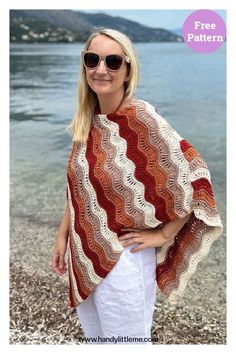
(102,90)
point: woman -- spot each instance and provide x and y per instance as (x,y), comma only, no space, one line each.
(140,209)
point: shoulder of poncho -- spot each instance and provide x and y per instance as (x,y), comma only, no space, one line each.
(152,112)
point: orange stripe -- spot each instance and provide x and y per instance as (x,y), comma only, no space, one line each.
(191,154)
(202,195)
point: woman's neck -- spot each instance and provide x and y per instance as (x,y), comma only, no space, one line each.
(111,104)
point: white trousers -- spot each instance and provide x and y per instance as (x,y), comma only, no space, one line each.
(120,310)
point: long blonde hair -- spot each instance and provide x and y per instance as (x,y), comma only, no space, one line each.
(87,99)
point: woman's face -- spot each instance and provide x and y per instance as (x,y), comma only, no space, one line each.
(102,81)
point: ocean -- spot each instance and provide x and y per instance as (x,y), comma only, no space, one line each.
(187,88)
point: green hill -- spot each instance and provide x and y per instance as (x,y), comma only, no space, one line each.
(67,26)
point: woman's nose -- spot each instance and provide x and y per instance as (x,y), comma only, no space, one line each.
(101,67)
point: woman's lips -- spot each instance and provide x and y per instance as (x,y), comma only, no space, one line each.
(102,80)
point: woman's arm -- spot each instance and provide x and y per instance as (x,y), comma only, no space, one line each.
(58,257)
(171,228)
(153,237)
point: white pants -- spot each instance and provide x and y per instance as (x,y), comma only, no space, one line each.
(120,310)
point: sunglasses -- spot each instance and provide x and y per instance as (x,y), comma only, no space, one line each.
(112,62)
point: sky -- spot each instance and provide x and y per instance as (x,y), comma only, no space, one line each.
(168,19)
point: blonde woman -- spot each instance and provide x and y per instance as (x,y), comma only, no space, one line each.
(140,210)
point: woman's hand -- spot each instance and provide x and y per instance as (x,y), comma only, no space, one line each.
(146,238)
(153,237)
(58,257)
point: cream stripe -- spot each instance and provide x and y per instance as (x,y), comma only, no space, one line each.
(200,173)
(207,219)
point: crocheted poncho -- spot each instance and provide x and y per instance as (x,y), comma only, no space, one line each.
(135,171)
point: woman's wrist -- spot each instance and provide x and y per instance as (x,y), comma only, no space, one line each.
(165,235)
(62,235)
(170,229)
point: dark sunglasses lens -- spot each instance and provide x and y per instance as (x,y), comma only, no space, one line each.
(114,62)
(91,60)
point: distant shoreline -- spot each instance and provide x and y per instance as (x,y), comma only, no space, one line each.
(22,42)
(67,26)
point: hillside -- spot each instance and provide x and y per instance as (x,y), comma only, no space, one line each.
(29,26)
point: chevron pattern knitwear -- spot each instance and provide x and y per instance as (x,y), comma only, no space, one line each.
(135,171)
